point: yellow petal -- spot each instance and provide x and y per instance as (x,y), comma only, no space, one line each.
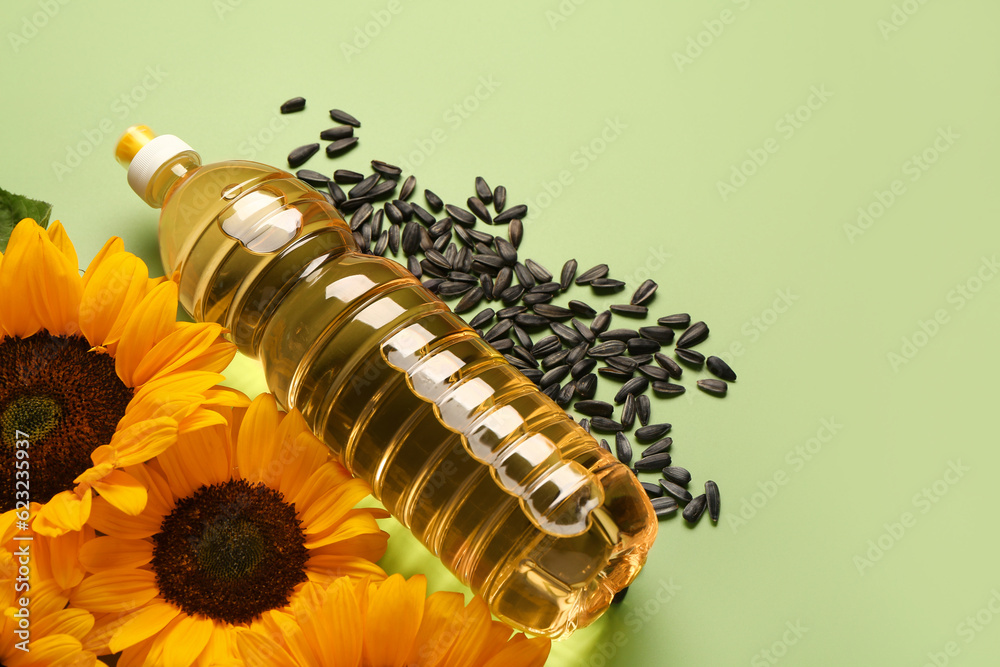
(475,626)
(173,352)
(73,622)
(51,651)
(123,491)
(152,321)
(55,288)
(17,311)
(109,553)
(331,508)
(256,649)
(216,357)
(255,444)
(111,246)
(226,396)
(111,521)
(324,570)
(356,523)
(527,653)
(338,623)
(57,558)
(57,234)
(200,419)
(142,625)
(64,512)
(439,629)
(393,619)
(183,642)
(117,286)
(115,590)
(141,442)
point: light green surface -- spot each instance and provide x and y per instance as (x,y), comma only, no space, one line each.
(219,78)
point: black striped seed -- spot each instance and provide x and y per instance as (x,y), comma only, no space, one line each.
(654,462)
(567,275)
(601,322)
(664,507)
(624,335)
(338,132)
(634,386)
(675,490)
(678,321)
(583,330)
(433,200)
(720,369)
(622,363)
(592,274)
(690,357)
(694,509)
(517,212)
(363,186)
(652,490)
(553,312)
(644,294)
(293,105)
(586,386)
(652,431)
(582,309)
(695,334)
(714,387)
(623,448)
(658,447)
(628,309)
(340,146)
(714,501)
(540,273)
(667,389)
(605,424)
(615,374)
(606,349)
(313,178)
(483,190)
(515,232)
(642,409)
(546,346)
(346,176)
(642,346)
(668,365)
(478,209)
(499,198)
(677,475)
(654,373)
(583,367)
(300,155)
(344,117)
(662,335)
(387,170)
(628,412)
(483,318)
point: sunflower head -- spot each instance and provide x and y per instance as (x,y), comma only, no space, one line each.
(95,374)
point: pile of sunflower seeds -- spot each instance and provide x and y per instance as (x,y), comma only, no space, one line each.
(564,350)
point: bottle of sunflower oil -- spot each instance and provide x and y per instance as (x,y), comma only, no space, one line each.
(517,500)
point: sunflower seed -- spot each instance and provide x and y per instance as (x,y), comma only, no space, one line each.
(363,186)
(658,447)
(605,424)
(642,359)
(642,408)
(533,374)
(381,244)
(629,309)
(516,361)
(546,346)
(675,490)
(714,501)
(633,386)
(601,322)
(340,146)
(607,284)
(440,227)
(622,363)
(383,189)
(540,273)
(503,345)
(510,313)
(654,372)
(690,357)
(695,509)
(592,273)
(531,320)
(433,200)
(566,394)
(453,288)
(677,475)
(566,334)
(653,462)
(470,300)
(694,335)
(478,209)
(628,412)
(720,369)
(361,216)
(662,335)
(489,263)
(293,105)
(576,354)
(344,117)
(506,250)
(338,132)
(583,330)
(642,346)
(524,354)
(667,389)
(652,490)
(386,169)
(586,386)
(524,276)
(377,221)
(517,212)
(594,408)
(546,288)
(624,335)
(460,215)
(623,448)
(553,312)
(405,207)
(604,444)
(678,321)
(583,367)
(300,155)
(615,374)
(336,193)
(567,275)
(582,309)
(644,294)
(652,431)
(353,204)
(664,507)
(432,285)
(422,214)
(715,387)
(313,178)
(482,318)
(511,295)
(499,198)
(499,330)
(669,365)
(483,190)
(439,259)
(522,337)
(502,281)
(555,375)
(413,264)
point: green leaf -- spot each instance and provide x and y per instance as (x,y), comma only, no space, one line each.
(14,208)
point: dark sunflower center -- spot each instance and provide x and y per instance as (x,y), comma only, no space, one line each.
(61,398)
(230,552)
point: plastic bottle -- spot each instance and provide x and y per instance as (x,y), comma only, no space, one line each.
(491,475)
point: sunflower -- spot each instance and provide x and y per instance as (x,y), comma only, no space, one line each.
(54,633)
(96,374)
(239,519)
(387,624)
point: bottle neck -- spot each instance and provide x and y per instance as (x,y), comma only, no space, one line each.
(168,175)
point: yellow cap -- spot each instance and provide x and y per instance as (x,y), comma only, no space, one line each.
(129,144)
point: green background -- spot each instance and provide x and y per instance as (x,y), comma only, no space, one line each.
(806,543)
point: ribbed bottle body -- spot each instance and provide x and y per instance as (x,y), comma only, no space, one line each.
(489,473)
